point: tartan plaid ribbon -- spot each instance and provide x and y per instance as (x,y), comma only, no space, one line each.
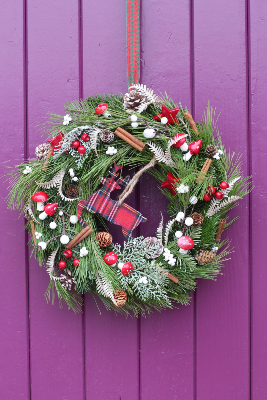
(133,41)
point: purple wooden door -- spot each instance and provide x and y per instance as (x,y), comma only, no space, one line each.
(198,51)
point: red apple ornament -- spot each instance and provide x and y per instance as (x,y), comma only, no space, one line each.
(111,258)
(185,242)
(50,209)
(211,190)
(224,185)
(219,195)
(81,150)
(206,197)
(76,262)
(85,137)
(62,264)
(67,253)
(75,144)
(127,268)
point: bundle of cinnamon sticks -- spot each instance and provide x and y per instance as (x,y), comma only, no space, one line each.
(170,276)
(130,139)
(78,238)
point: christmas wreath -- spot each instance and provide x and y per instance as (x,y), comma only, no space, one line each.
(65,196)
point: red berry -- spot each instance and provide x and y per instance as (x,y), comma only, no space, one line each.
(67,253)
(81,150)
(85,137)
(75,144)
(219,195)
(224,185)
(210,190)
(206,197)
(62,264)
(76,262)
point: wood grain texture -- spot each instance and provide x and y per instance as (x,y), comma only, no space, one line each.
(14,343)
(223,307)
(56,343)
(166,339)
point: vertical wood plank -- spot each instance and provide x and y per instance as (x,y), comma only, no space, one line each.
(56,335)
(166,357)
(257,102)
(14,364)
(223,307)
(111,341)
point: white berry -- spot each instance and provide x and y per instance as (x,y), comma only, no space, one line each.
(52,225)
(149,133)
(73,219)
(64,239)
(134,124)
(60,213)
(75,179)
(178,234)
(193,200)
(42,245)
(164,120)
(189,221)
(179,216)
(133,118)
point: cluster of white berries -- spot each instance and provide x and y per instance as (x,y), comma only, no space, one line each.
(168,256)
(67,119)
(143,280)
(215,249)
(217,155)
(180,217)
(182,188)
(111,150)
(27,170)
(83,252)
(38,235)
(72,175)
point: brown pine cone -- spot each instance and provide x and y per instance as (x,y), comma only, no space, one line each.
(68,281)
(205,257)
(41,151)
(120,297)
(104,239)
(72,192)
(152,247)
(211,150)
(107,136)
(197,218)
(133,101)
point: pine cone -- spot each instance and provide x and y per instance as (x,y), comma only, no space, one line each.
(67,281)
(211,150)
(104,239)
(197,218)
(120,297)
(152,247)
(134,101)
(72,192)
(205,257)
(107,136)
(41,151)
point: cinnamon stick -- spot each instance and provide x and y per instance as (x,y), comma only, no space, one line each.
(204,171)
(130,139)
(170,276)
(78,238)
(220,230)
(191,121)
(50,151)
(33,231)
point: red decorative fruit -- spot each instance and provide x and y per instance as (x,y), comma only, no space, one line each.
(195,146)
(102,107)
(85,137)
(210,191)
(224,185)
(67,253)
(50,209)
(111,258)
(206,197)
(40,197)
(75,144)
(81,150)
(219,195)
(180,141)
(185,242)
(76,262)
(62,264)
(127,268)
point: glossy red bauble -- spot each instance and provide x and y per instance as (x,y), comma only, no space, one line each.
(75,144)
(81,150)
(127,268)
(206,197)
(40,197)
(85,137)
(224,185)
(195,146)
(111,258)
(67,253)
(185,242)
(102,107)
(219,195)
(210,191)
(76,262)
(62,264)
(180,141)
(50,209)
